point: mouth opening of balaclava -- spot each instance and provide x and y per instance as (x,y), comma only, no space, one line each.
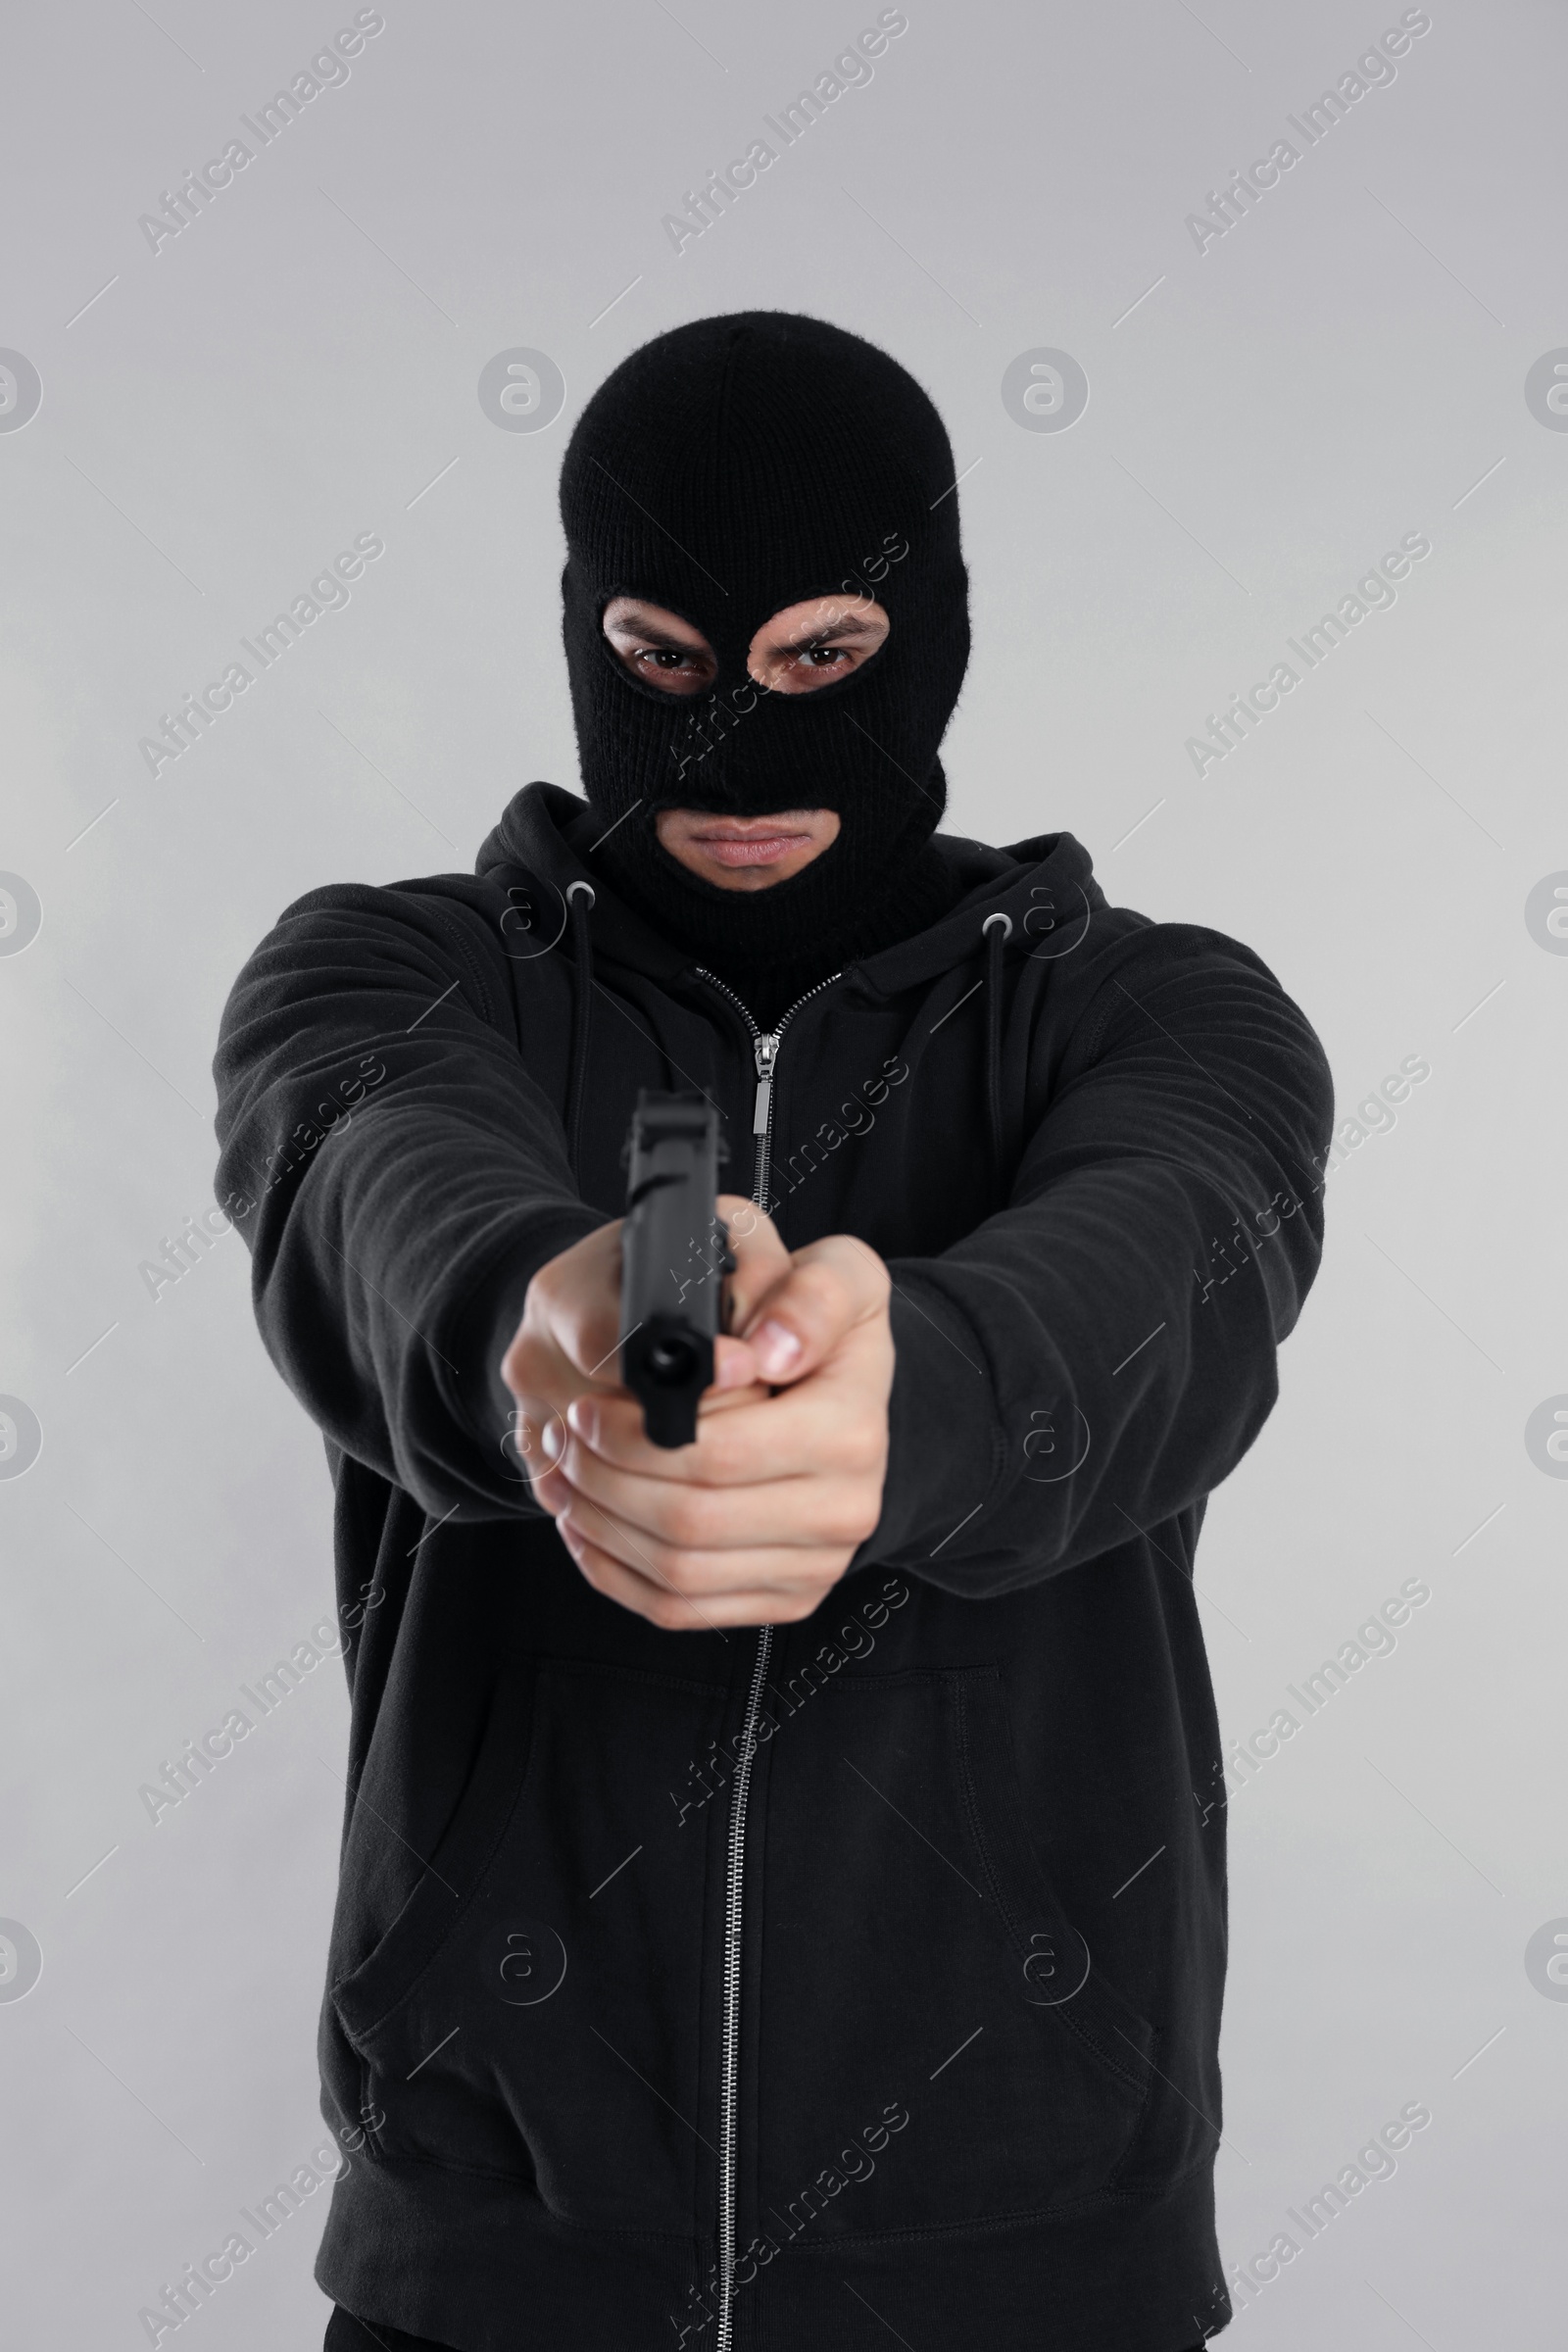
(727,471)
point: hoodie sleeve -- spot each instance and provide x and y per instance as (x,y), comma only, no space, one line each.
(398,1178)
(1099,1355)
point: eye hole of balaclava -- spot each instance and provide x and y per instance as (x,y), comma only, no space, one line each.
(807,647)
(726,471)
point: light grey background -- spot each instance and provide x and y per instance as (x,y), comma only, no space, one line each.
(296,367)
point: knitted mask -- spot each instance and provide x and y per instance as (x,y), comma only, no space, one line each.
(731,468)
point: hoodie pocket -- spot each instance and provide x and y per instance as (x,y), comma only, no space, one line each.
(535,2008)
(937,2042)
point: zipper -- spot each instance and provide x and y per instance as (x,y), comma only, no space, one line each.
(765,1055)
(729,2068)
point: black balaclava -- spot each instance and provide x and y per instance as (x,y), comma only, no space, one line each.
(728,470)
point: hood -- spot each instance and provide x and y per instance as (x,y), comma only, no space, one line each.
(1044,886)
(1037,894)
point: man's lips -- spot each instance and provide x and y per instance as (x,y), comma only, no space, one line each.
(734,849)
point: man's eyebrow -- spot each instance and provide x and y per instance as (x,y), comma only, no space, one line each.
(652,634)
(849,626)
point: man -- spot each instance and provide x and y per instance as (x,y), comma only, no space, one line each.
(783,1891)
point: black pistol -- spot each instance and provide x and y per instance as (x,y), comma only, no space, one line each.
(675,1256)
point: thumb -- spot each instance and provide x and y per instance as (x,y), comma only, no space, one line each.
(760,1260)
(831,1286)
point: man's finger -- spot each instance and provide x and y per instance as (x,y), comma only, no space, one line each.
(775,1603)
(786,1514)
(759,1255)
(810,1428)
(828,1287)
(599,1566)
(570,1322)
(702,1576)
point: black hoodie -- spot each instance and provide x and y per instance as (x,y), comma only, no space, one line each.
(721,1989)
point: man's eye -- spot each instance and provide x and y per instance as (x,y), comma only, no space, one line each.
(664,656)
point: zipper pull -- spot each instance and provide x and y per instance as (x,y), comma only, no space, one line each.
(767,1050)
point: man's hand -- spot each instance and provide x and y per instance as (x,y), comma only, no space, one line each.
(754,1523)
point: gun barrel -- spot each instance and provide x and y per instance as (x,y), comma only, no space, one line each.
(675,1256)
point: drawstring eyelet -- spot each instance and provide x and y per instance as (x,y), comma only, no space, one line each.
(572,888)
(1005,920)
